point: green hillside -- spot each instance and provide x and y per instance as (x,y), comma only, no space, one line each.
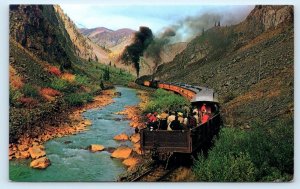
(47,78)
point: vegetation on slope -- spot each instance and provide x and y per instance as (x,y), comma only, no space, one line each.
(251,66)
(162,100)
(47,78)
(262,153)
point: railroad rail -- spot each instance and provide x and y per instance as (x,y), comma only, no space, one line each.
(155,174)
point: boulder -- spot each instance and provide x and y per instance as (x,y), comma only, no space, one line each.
(87,122)
(40,163)
(96,147)
(22,147)
(135,138)
(130,162)
(36,151)
(121,136)
(121,153)
(24,155)
(137,148)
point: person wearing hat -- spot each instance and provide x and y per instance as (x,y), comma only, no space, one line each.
(163,124)
(170,119)
(180,117)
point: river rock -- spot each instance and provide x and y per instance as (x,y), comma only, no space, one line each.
(22,147)
(117,94)
(135,138)
(22,155)
(40,163)
(130,162)
(121,136)
(87,122)
(137,148)
(37,152)
(121,153)
(96,147)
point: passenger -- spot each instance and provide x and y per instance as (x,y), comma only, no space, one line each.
(196,117)
(192,121)
(186,110)
(185,121)
(163,120)
(205,118)
(203,111)
(148,122)
(152,121)
(153,117)
(180,117)
(155,121)
(175,124)
(170,119)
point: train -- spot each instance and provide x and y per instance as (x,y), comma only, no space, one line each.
(163,143)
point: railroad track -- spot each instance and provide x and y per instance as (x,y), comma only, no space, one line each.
(155,174)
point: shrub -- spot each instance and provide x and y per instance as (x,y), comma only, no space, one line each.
(83,80)
(54,70)
(75,99)
(63,85)
(30,91)
(225,168)
(28,102)
(267,153)
(49,91)
(68,77)
(14,96)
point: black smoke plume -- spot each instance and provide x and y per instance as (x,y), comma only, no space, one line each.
(133,52)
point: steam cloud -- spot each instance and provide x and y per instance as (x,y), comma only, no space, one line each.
(189,27)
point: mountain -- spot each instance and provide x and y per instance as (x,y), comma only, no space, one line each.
(84,47)
(108,38)
(52,70)
(167,54)
(250,65)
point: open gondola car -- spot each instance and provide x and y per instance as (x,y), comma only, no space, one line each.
(184,141)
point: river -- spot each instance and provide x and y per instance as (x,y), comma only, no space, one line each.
(70,161)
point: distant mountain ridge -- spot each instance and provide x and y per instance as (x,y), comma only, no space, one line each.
(108,38)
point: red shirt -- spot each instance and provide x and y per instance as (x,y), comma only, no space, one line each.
(152,118)
(205,118)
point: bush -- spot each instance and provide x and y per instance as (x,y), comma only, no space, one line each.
(54,70)
(14,96)
(264,153)
(82,80)
(75,99)
(162,100)
(30,91)
(49,91)
(63,85)
(225,167)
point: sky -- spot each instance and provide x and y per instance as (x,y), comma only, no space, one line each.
(155,17)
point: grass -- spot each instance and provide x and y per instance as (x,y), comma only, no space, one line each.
(162,100)
(78,99)
(263,153)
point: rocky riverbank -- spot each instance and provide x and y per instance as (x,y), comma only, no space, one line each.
(132,156)
(33,148)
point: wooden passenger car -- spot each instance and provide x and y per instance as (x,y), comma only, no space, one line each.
(182,141)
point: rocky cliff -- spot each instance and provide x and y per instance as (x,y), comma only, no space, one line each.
(83,46)
(250,65)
